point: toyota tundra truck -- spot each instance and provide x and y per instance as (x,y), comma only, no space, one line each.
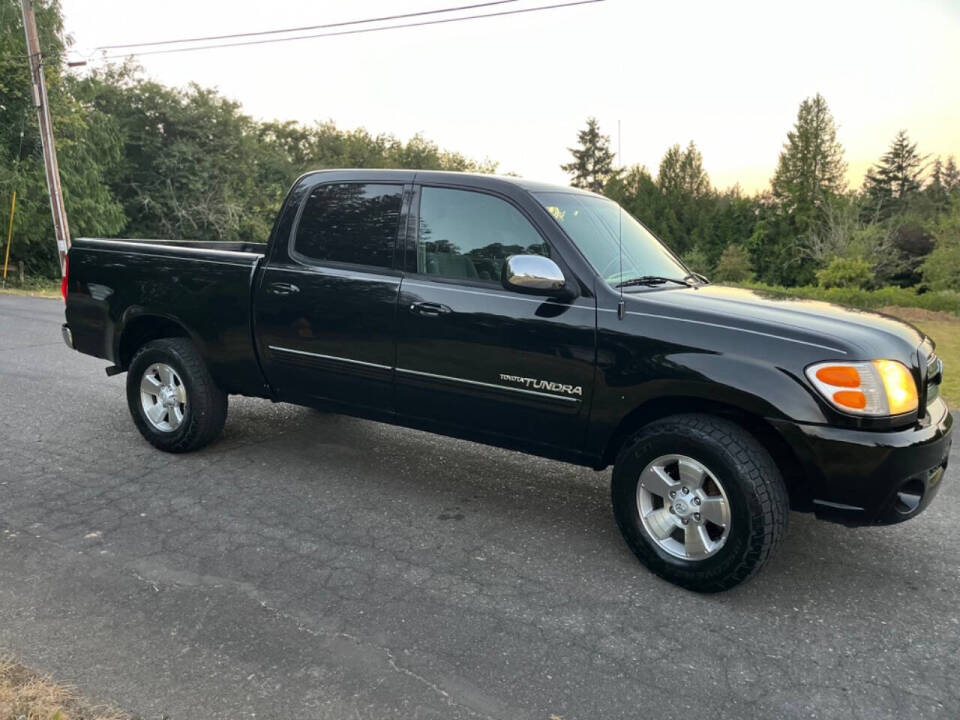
(539,318)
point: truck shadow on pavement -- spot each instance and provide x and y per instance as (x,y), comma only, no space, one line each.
(453,488)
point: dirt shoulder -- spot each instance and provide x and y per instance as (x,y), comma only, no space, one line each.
(25,695)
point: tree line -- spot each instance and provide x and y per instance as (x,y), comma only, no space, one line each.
(901,227)
(141,159)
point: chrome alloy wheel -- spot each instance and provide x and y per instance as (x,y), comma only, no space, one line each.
(683,507)
(163,397)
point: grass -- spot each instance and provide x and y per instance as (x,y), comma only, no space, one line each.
(25,695)
(31,287)
(947,336)
(944,328)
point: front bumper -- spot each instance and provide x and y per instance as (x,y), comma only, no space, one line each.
(859,477)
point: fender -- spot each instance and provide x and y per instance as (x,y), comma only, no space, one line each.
(682,380)
(136,316)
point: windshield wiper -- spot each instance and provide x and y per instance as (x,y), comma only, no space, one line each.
(651,280)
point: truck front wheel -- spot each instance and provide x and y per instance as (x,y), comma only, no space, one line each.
(174,401)
(699,501)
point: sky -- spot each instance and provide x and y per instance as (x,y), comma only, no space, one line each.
(727,75)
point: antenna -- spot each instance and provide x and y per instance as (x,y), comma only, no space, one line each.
(621,308)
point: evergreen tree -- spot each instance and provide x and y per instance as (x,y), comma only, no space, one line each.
(811,167)
(891,183)
(687,197)
(636,190)
(592,164)
(681,173)
(936,174)
(810,174)
(951,176)
(731,220)
(935,191)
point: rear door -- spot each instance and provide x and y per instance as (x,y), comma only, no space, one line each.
(474,356)
(326,303)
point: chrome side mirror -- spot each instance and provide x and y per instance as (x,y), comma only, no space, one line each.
(533,274)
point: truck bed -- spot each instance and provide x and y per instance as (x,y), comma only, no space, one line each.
(120,287)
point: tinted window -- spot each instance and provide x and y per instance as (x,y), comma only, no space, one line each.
(351,223)
(468,235)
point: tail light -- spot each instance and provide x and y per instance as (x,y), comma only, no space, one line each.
(63,283)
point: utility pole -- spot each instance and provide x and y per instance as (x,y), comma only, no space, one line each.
(57,208)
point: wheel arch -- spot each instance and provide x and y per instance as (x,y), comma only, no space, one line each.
(141,328)
(782,453)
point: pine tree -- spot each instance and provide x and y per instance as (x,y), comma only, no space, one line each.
(592,164)
(681,173)
(951,176)
(936,174)
(891,183)
(811,167)
(935,192)
(686,194)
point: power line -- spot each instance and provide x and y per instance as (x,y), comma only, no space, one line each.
(355,32)
(307,27)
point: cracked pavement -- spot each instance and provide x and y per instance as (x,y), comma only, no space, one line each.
(319,566)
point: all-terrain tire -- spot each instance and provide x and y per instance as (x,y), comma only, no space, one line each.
(205,410)
(756,496)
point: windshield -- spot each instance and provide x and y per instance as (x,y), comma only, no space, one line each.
(595,225)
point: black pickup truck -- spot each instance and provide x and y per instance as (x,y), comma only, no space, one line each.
(538,318)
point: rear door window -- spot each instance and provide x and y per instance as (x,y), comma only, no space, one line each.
(354,223)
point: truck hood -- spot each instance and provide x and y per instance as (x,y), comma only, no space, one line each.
(860,333)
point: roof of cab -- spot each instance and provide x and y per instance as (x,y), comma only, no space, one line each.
(479,179)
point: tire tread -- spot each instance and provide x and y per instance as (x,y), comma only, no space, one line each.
(757,470)
(208,403)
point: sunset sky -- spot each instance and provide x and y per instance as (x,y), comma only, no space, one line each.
(516,89)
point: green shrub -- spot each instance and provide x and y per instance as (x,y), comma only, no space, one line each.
(734,266)
(941,269)
(941,300)
(842,272)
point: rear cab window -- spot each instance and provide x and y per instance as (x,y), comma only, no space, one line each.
(467,235)
(352,223)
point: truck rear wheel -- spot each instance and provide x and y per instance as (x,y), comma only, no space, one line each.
(174,401)
(699,501)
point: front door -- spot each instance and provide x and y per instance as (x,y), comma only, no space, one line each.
(326,304)
(474,356)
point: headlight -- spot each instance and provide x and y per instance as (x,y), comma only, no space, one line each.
(877,388)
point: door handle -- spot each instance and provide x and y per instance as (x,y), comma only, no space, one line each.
(282,288)
(430,309)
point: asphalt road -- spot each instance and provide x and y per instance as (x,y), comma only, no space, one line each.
(318,566)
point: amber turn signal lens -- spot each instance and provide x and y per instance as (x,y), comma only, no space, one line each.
(853,399)
(875,388)
(898,383)
(839,376)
